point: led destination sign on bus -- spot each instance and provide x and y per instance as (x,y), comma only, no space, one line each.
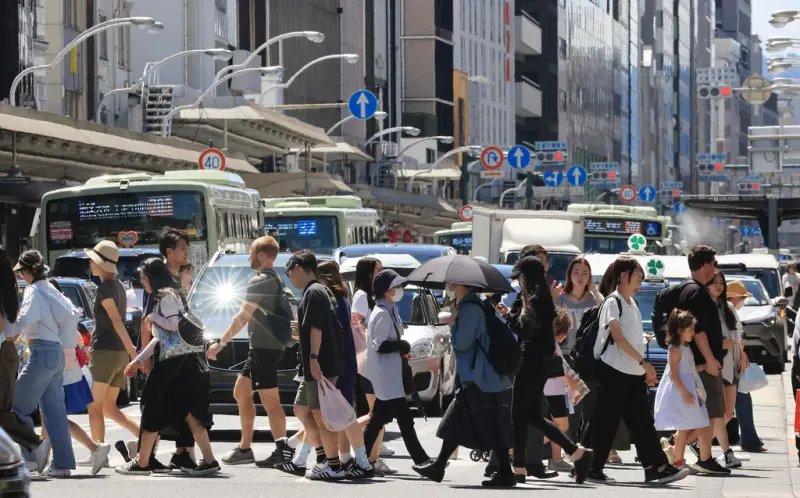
(622,227)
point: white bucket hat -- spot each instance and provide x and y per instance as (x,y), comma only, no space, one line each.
(106,255)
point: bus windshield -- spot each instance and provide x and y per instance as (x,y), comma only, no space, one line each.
(84,220)
(295,233)
(461,242)
(607,245)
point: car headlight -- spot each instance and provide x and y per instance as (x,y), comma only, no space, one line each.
(422,350)
(770,321)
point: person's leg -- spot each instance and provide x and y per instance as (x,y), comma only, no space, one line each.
(744,414)
(271,400)
(54,411)
(521,404)
(111,411)
(730,402)
(97,423)
(243,394)
(200,434)
(9,365)
(680,445)
(563,424)
(375,453)
(328,438)
(77,433)
(147,442)
(543,423)
(715,405)
(639,422)
(606,417)
(402,413)
(377,421)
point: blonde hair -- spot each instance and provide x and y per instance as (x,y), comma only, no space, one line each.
(267,245)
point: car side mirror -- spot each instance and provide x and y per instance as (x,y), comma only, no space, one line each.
(782,302)
(444,318)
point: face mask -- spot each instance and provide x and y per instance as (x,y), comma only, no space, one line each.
(451,293)
(397,296)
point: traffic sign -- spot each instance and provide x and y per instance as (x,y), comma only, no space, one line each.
(553,178)
(746,231)
(362,104)
(679,207)
(212,159)
(549,192)
(576,176)
(466,213)
(757,231)
(647,193)
(627,193)
(492,157)
(519,157)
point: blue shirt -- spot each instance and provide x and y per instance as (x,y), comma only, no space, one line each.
(469,329)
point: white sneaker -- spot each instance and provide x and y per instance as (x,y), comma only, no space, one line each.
(381,468)
(323,472)
(385,451)
(40,455)
(729,460)
(51,471)
(86,462)
(99,457)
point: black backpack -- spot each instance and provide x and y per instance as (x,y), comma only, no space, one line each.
(504,353)
(280,320)
(583,352)
(666,301)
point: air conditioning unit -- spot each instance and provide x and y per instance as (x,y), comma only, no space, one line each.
(390,149)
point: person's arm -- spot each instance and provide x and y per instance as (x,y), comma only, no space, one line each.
(28,313)
(119,325)
(317,316)
(147,352)
(699,305)
(612,315)
(257,288)
(674,358)
(595,293)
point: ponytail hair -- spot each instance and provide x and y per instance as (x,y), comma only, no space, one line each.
(679,320)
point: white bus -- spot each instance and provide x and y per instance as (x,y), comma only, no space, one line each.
(320,224)
(459,237)
(608,227)
(215,208)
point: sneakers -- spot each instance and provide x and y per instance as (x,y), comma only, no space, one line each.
(283,453)
(157,467)
(710,467)
(695,447)
(583,465)
(385,451)
(51,471)
(99,457)
(599,477)
(40,455)
(729,460)
(204,468)
(381,468)
(291,468)
(669,451)
(560,466)
(323,472)
(182,461)
(132,468)
(239,457)
(667,475)
(430,471)
(353,471)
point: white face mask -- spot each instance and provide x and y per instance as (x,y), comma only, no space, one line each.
(397,296)
(451,293)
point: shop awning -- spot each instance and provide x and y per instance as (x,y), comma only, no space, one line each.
(289,184)
(340,150)
(399,198)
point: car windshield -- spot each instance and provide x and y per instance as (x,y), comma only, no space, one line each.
(359,251)
(769,277)
(127,268)
(461,242)
(411,307)
(757,290)
(646,299)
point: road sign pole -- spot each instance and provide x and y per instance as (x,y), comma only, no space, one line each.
(464,182)
(529,190)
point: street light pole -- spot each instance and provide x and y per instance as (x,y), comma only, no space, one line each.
(147,23)
(350,58)
(472,149)
(379,115)
(314,36)
(217,53)
(168,118)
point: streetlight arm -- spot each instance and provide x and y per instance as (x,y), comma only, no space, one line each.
(457,150)
(300,71)
(263,46)
(106,95)
(166,123)
(340,123)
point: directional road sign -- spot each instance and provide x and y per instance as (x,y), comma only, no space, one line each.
(576,176)
(519,157)
(492,157)
(553,178)
(679,207)
(627,193)
(647,193)
(746,231)
(362,104)
(212,159)
(756,231)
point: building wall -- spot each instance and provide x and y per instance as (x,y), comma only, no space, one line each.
(353,20)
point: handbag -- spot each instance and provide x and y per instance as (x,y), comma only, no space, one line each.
(337,413)
(753,379)
(80,354)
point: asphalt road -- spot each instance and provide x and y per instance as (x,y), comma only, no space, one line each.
(771,474)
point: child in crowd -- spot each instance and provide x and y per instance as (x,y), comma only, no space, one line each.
(556,391)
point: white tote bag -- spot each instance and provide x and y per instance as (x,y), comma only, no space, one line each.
(337,413)
(753,379)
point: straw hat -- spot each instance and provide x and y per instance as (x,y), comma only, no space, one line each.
(737,289)
(106,255)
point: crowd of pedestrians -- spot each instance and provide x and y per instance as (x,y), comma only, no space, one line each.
(360,350)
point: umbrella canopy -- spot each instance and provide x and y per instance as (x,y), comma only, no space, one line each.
(460,269)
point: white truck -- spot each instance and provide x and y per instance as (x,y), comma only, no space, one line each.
(500,234)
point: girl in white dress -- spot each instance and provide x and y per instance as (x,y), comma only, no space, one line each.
(680,400)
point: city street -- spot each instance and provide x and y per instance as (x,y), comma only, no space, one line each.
(772,474)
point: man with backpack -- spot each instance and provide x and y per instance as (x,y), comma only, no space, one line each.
(692,295)
(268,315)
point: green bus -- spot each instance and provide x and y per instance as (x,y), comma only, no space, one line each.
(459,237)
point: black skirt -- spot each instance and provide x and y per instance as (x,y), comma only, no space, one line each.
(174,389)
(478,420)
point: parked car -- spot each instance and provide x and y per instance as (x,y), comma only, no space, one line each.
(14,474)
(765,268)
(420,252)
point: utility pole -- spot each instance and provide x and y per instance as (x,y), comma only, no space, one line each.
(529,190)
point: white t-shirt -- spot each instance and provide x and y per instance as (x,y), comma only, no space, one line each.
(361,305)
(631,323)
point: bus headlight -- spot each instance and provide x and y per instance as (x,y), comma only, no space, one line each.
(422,350)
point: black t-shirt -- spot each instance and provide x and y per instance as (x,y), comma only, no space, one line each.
(696,299)
(317,309)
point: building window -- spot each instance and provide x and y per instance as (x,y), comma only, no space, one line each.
(41,91)
(70,103)
(659,18)
(562,48)
(430,156)
(103,38)
(745,58)
(71,13)
(562,100)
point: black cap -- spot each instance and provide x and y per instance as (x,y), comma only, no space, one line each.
(527,264)
(385,280)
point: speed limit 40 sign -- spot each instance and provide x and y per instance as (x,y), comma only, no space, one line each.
(627,193)
(212,159)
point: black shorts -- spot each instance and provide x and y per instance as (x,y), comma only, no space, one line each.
(261,367)
(558,406)
(366,385)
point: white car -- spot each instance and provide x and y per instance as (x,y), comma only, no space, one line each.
(14,474)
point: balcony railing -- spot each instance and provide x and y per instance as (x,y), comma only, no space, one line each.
(528,35)
(528,98)
(221,24)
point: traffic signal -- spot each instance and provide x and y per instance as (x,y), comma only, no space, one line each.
(551,157)
(669,193)
(603,176)
(750,187)
(710,168)
(714,91)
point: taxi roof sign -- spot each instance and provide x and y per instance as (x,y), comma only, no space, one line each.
(654,269)
(637,243)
